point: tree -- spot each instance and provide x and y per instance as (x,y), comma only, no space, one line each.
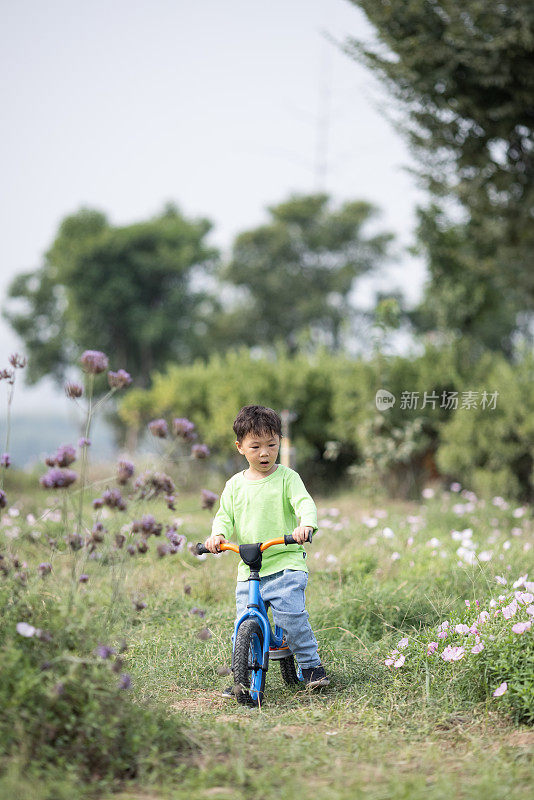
(463,75)
(132,291)
(465,295)
(296,273)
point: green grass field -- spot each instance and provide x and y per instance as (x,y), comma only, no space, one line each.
(379,571)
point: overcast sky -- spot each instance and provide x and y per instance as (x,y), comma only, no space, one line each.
(123,105)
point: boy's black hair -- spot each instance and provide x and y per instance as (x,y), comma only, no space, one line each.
(257,419)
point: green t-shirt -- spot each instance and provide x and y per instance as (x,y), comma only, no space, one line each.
(256,511)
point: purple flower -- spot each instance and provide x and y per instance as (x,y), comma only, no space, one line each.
(73,390)
(17,361)
(58,478)
(65,455)
(125,681)
(163,549)
(139,605)
(84,442)
(158,428)
(125,470)
(200,451)
(3,499)
(103,651)
(98,502)
(209,498)
(44,569)
(75,541)
(198,611)
(204,634)
(120,379)
(114,499)
(83,578)
(5,460)
(94,361)
(184,428)
(170,499)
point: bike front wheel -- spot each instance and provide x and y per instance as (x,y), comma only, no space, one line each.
(249,676)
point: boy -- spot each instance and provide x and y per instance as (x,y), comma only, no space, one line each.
(261,503)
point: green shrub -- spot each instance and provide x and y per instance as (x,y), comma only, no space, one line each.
(65,702)
(492,451)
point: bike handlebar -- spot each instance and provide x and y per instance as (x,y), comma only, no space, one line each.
(287,539)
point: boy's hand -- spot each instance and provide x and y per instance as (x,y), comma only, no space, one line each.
(300,534)
(213,542)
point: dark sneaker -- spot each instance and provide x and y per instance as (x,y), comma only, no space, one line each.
(315,677)
(228,693)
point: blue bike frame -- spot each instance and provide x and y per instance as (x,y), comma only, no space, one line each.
(256,609)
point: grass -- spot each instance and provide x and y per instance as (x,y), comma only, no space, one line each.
(375,732)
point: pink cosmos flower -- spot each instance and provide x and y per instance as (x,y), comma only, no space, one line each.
(521,627)
(389,662)
(530,610)
(461,629)
(500,690)
(452,653)
(477,648)
(432,647)
(399,662)
(482,617)
(510,610)
(403,643)
(442,635)
(524,597)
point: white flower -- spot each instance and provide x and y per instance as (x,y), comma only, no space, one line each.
(26,630)
(428,493)
(387,533)
(395,556)
(500,690)
(371,522)
(399,662)
(485,555)
(500,579)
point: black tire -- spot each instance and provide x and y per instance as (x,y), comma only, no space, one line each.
(289,671)
(249,635)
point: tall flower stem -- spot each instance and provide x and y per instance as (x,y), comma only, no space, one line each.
(83,468)
(10,393)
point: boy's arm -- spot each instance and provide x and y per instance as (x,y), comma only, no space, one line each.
(302,503)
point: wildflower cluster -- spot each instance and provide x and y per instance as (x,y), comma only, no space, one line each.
(182,429)
(492,628)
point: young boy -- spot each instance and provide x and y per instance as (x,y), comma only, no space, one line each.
(262,503)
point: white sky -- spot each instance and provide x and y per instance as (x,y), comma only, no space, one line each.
(123,105)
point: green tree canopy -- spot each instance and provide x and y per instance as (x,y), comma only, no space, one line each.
(134,292)
(463,76)
(296,273)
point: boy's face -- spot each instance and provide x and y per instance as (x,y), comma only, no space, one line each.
(261,451)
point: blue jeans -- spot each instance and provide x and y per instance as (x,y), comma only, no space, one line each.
(285,592)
